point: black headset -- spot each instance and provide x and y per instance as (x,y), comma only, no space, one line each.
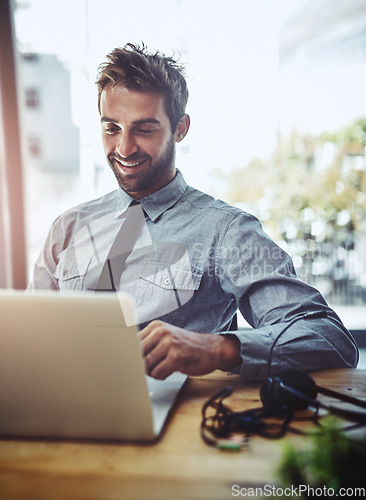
(280,394)
(292,389)
(295,390)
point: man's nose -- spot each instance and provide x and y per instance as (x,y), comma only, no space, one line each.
(126,145)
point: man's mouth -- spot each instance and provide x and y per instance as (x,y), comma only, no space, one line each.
(130,164)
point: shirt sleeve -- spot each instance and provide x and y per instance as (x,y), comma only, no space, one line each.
(44,268)
(261,278)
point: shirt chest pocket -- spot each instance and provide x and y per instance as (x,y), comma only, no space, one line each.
(182,280)
(166,289)
(70,273)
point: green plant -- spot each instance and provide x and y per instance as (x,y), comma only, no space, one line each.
(330,459)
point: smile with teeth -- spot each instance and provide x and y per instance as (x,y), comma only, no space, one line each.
(130,164)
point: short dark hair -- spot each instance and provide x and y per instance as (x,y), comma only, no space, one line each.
(135,68)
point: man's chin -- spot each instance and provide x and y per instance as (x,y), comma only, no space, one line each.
(127,185)
(132,184)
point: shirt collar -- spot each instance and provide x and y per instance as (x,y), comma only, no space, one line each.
(123,201)
(156,203)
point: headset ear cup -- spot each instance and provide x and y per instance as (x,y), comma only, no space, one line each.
(267,394)
(275,397)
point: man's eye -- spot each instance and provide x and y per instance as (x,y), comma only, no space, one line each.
(144,131)
(111,130)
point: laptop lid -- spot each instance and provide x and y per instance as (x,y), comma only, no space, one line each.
(70,367)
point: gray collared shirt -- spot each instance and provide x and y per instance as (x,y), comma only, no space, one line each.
(193,262)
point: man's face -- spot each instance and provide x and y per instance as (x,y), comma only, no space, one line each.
(138,140)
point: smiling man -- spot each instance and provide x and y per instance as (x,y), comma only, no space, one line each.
(189,261)
(138,140)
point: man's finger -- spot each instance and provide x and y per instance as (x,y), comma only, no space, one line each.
(154,357)
(152,337)
(162,370)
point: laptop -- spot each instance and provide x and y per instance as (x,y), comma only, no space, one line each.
(72,368)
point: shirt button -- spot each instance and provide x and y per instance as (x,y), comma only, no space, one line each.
(64,272)
(167,281)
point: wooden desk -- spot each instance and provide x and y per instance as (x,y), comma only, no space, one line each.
(178,467)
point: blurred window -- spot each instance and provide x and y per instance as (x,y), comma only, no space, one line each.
(32,98)
(34,147)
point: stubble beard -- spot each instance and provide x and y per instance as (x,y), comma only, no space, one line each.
(152,172)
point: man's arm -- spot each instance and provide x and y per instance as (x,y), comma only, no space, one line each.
(308,345)
(43,271)
(259,277)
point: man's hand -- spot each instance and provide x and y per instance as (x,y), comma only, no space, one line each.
(167,348)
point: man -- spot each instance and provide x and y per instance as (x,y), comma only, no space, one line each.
(189,261)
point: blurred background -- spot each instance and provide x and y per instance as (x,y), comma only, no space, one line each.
(277,106)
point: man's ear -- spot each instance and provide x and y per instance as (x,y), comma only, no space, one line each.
(182,128)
